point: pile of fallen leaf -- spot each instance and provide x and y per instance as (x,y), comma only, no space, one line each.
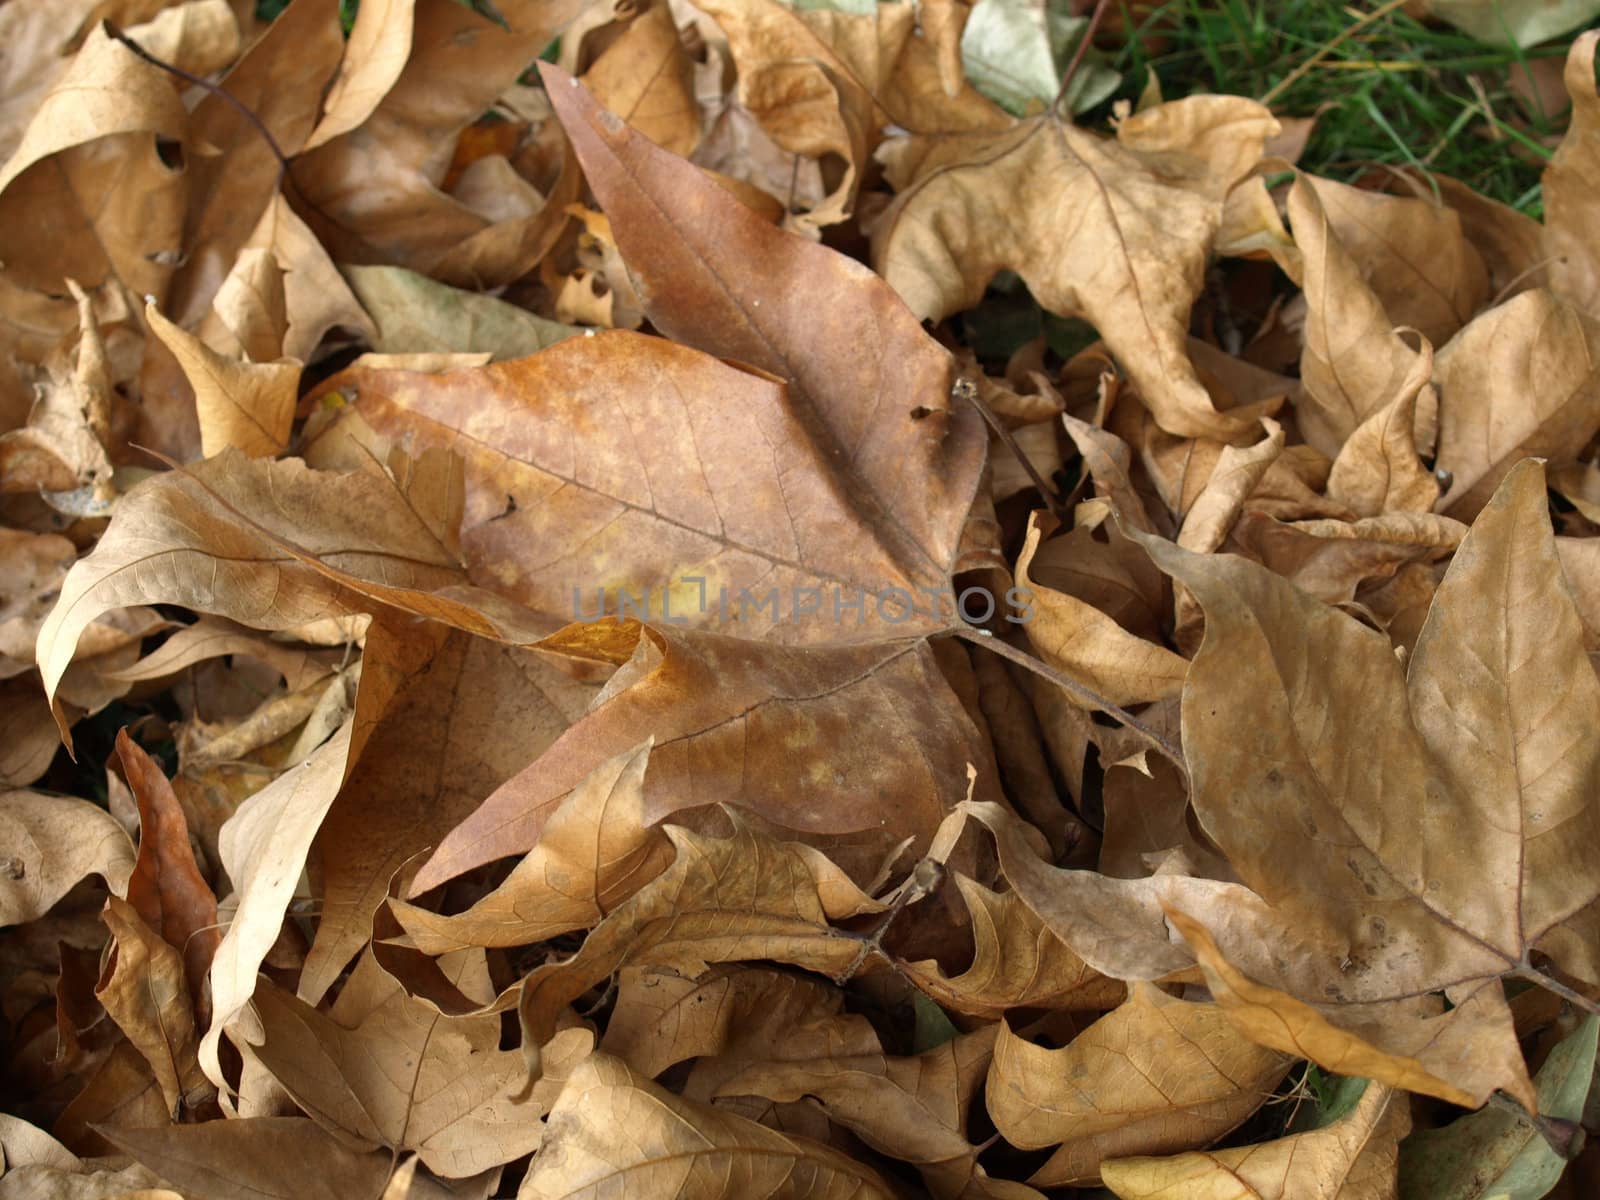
(621,693)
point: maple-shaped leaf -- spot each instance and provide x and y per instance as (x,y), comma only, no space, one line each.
(1457,841)
(387,1069)
(1113,231)
(869,392)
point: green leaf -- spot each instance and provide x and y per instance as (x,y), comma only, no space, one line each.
(1495,1153)
(1015,51)
(415,314)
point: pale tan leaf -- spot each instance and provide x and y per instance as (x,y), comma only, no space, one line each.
(1352,1159)
(677,1147)
(1572,228)
(374,56)
(51,843)
(1156,1075)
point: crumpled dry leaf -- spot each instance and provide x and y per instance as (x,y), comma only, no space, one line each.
(1156,1075)
(404,1076)
(723,899)
(914,1109)
(593,852)
(1352,1159)
(677,1147)
(1569,184)
(53,842)
(1128,256)
(1472,736)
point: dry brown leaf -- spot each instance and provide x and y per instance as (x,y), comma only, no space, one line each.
(99,130)
(795,734)
(1128,255)
(1571,228)
(51,843)
(725,1017)
(627,468)
(243,404)
(1460,1055)
(1088,645)
(913,1109)
(593,852)
(644,77)
(1378,469)
(166,888)
(1332,560)
(376,189)
(1154,1076)
(251,1153)
(1412,253)
(407,1077)
(1353,362)
(1434,857)
(143,989)
(1355,1158)
(1522,380)
(677,1147)
(467,714)
(916,455)
(724,899)
(374,56)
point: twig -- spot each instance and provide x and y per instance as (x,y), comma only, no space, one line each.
(114,31)
(1078,52)
(967,390)
(1088,696)
(1333,44)
(1578,1000)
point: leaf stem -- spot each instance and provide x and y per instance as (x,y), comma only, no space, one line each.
(1088,696)
(968,391)
(1078,52)
(115,32)
(1530,973)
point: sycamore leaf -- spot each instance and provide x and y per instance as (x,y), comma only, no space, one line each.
(727,1017)
(242,404)
(1156,1075)
(1450,849)
(217,1159)
(1352,1159)
(1500,1153)
(1129,223)
(1569,185)
(914,1109)
(52,842)
(593,852)
(1353,362)
(676,1147)
(1521,380)
(1460,1055)
(408,1077)
(914,455)
(794,734)
(467,714)
(1016,963)
(728,899)
(628,468)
